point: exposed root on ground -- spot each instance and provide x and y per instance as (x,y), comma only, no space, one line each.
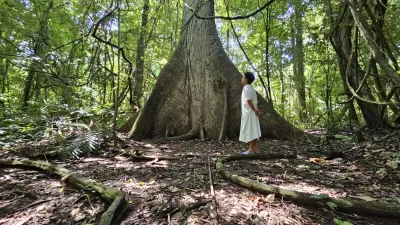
(116,199)
(192,134)
(356,206)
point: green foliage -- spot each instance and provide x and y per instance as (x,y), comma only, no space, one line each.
(331,205)
(341,222)
(82,145)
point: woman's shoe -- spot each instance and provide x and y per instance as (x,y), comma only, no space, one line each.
(246,153)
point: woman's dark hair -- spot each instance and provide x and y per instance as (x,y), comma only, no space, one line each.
(249,76)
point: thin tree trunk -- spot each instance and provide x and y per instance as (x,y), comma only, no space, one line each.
(298,58)
(39,51)
(283,98)
(4,73)
(138,89)
(105,81)
(267,23)
(281,79)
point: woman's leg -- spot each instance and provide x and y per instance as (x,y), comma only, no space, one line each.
(250,143)
(256,145)
(252,146)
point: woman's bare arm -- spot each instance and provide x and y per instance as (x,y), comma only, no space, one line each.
(250,102)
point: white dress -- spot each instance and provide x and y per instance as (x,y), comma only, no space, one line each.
(250,125)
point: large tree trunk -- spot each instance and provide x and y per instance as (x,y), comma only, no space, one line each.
(349,70)
(335,40)
(199,88)
(368,36)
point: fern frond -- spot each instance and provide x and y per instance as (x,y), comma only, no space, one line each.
(82,145)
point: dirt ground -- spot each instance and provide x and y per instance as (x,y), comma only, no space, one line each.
(160,191)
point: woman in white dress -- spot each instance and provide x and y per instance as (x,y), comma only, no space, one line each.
(250,131)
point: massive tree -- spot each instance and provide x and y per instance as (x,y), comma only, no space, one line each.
(199,89)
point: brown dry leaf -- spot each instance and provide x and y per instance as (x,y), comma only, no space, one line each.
(80,216)
(74,212)
(173,189)
(352,168)
(270,198)
(316,160)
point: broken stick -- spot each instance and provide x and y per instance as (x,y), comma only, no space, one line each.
(213,208)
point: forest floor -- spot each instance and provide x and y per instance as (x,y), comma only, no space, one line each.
(158,191)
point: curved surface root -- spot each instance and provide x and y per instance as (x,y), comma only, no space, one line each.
(192,134)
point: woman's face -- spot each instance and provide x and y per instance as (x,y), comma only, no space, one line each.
(244,81)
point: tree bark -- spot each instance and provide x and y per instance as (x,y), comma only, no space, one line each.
(282,79)
(368,36)
(201,85)
(298,59)
(4,74)
(335,39)
(341,39)
(138,87)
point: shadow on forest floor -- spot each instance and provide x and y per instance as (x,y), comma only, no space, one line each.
(368,171)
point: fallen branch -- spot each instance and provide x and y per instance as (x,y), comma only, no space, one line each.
(356,206)
(116,199)
(213,208)
(195,206)
(136,156)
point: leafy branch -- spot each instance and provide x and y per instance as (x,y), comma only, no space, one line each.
(228,17)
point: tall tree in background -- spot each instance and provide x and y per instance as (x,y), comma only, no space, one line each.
(141,46)
(298,58)
(199,89)
(336,38)
(376,41)
(345,41)
(40,41)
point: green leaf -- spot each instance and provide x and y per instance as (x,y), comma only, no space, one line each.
(321,196)
(341,222)
(332,205)
(396,199)
(151,181)
(396,155)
